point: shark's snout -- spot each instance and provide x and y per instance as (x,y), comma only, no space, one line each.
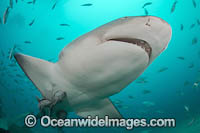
(158,19)
(159,33)
(158,23)
(155,31)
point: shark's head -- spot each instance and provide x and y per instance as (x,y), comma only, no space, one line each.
(118,52)
(149,32)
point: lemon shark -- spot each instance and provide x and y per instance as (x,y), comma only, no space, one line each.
(98,65)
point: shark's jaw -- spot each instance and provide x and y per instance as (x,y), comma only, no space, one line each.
(148,32)
(139,42)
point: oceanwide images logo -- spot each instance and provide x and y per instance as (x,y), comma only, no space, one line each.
(129,124)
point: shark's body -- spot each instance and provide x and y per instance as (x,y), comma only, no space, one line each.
(99,64)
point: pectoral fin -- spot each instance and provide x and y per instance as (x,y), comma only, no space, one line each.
(101,109)
(39,72)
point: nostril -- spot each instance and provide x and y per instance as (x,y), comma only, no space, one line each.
(148,22)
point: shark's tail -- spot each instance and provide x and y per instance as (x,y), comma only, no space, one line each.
(39,71)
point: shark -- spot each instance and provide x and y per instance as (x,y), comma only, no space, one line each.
(97,65)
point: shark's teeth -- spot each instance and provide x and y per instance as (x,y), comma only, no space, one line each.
(143,44)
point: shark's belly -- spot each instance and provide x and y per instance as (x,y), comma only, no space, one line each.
(105,71)
(93,92)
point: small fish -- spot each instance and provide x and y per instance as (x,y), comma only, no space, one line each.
(20,76)
(53,7)
(30,2)
(64,25)
(117,101)
(19,49)
(163,69)
(148,103)
(12,52)
(12,65)
(60,38)
(27,42)
(146,12)
(192,26)
(196,85)
(147,4)
(146,91)
(174,6)
(130,97)
(141,81)
(0,21)
(194,3)
(11,3)
(32,22)
(191,65)
(88,4)
(5,16)
(194,41)
(198,22)
(16,1)
(191,122)
(181,58)
(182,27)
(187,108)
(34,1)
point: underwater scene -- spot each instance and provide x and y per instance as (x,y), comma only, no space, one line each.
(168,88)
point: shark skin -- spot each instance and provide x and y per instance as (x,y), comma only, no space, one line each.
(98,65)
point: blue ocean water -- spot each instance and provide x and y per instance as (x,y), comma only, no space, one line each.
(170,83)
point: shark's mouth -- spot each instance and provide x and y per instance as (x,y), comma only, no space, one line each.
(143,44)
